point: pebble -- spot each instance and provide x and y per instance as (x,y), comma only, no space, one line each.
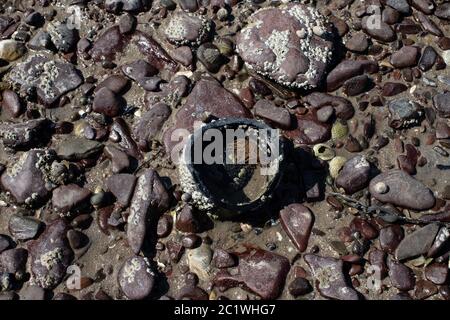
(50,255)
(127,23)
(383,33)
(299,287)
(364,227)
(407,56)
(277,116)
(437,273)
(5,242)
(297,221)
(401,6)
(348,69)
(14,261)
(390,89)
(135,278)
(390,237)
(441,241)
(23,228)
(107,102)
(40,41)
(70,198)
(424,289)
(441,103)
(417,243)
(209,55)
(428,58)
(377,259)
(63,36)
(357,43)
(183,55)
(164,227)
(443,11)
(222,259)
(404,113)
(11,104)
(207,96)
(260,271)
(354,175)
(24,135)
(329,274)
(401,276)
(404,191)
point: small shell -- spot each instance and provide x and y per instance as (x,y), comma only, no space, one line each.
(339,130)
(381,187)
(323,152)
(336,165)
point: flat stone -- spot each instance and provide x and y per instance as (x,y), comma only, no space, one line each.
(121,186)
(417,243)
(138,70)
(390,89)
(115,83)
(357,43)
(402,190)
(309,130)
(437,273)
(304,31)
(199,261)
(401,6)
(277,116)
(11,104)
(75,148)
(50,255)
(443,11)
(120,161)
(33,293)
(343,107)
(13,260)
(440,243)
(297,221)
(383,33)
(330,279)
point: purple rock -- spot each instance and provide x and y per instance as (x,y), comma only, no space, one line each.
(135,278)
(151,123)
(354,176)
(277,116)
(417,243)
(122,187)
(348,69)
(297,221)
(401,276)
(70,197)
(330,279)
(50,255)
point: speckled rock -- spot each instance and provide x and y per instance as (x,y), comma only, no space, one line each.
(297,221)
(135,278)
(52,78)
(402,190)
(150,199)
(330,279)
(404,113)
(63,36)
(302,30)
(11,50)
(50,255)
(23,228)
(183,28)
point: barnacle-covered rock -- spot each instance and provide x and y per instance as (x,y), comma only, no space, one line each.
(50,255)
(24,135)
(289,44)
(28,179)
(184,28)
(51,78)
